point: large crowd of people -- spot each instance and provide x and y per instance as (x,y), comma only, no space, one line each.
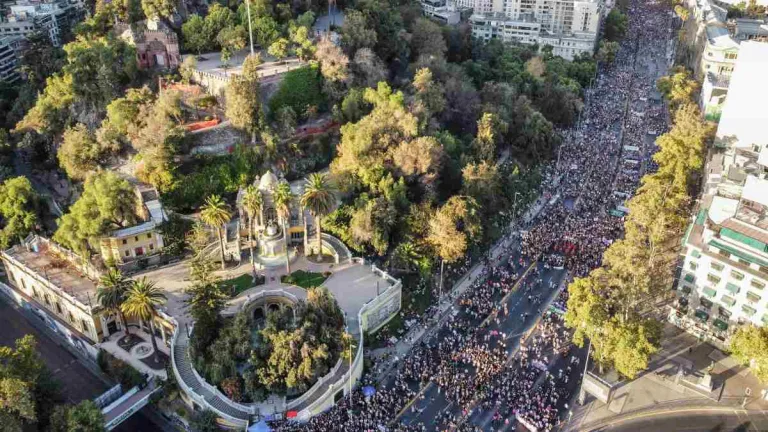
(472,365)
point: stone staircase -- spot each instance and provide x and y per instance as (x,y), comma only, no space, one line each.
(183,365)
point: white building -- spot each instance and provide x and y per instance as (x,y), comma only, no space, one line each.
(725,270)
(441,11)
(51,18)
(570,27)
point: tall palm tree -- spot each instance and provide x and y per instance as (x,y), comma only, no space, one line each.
(141,302)
(111,295)
(318,197)
(282,198)
(252,203)
(215,213)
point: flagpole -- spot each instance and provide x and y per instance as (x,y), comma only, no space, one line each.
(250,31)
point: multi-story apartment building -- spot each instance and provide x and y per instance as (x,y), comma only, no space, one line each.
(10,49)
(52,18)
(724,274)
(570,27)
(716,46)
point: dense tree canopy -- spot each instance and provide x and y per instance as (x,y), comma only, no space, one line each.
(108,202)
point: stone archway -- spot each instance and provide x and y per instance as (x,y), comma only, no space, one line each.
(274,307)
(258,314)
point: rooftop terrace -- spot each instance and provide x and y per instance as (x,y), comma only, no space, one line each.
(54,264)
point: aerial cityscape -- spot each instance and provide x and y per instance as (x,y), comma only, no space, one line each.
(383,215)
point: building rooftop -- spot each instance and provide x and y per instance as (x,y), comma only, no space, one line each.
(744,115)
(54,264)
(719,36)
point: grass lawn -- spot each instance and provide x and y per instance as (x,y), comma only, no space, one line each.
(240,284)
(304,279)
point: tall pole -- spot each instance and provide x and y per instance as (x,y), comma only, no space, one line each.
(250,31)
(442,266)
(584,376)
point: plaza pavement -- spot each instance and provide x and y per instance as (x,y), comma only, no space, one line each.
(660,386)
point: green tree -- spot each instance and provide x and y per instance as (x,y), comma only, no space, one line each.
(231,39)
(195,35)
(607,51)
(205,421)
(79,153)
(17,206)
(490,132)
(429,97)
(108,202)
(219,17)
(159,9)
(243,107)
(418,157)
(279,49)
(427,39)
(215,213)
(750,346)
(252,204)
(678,87)
(483,183)
(141,302)
(356,33)
(319,198)
(454,226)
(334,64)
(111,295)
(283,198)
(27,389)
(83,417)
(615,25)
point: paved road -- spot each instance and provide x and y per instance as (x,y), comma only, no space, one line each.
(699,421)
(433,402)
(77,381)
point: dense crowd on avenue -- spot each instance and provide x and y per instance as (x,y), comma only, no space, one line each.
(472,365)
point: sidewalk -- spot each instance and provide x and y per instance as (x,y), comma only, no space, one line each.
(672,379)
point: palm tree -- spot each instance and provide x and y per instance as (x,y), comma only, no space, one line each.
(252,203)
(215,213)
(111,295)
(141,302)
(282,198)
(319,199)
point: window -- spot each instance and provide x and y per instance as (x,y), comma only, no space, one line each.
(763,269)
(35,293)
(47,299)
(693,266)
(757,284)
(705,303)
(743,261)
(151,246)
(717,266)
(127,253)
(136,238)
(84,326)
(724,253)
(714,279)
(125,241)
(149,236)
(70,317)
(696,254)
(58,308)
(730,56)
(752,297)
(737,275)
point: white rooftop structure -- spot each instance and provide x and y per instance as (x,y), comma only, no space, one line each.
(722,209)
(745,116)
(756,190)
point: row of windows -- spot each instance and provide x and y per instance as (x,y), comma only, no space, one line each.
(82,324)
(136,238)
